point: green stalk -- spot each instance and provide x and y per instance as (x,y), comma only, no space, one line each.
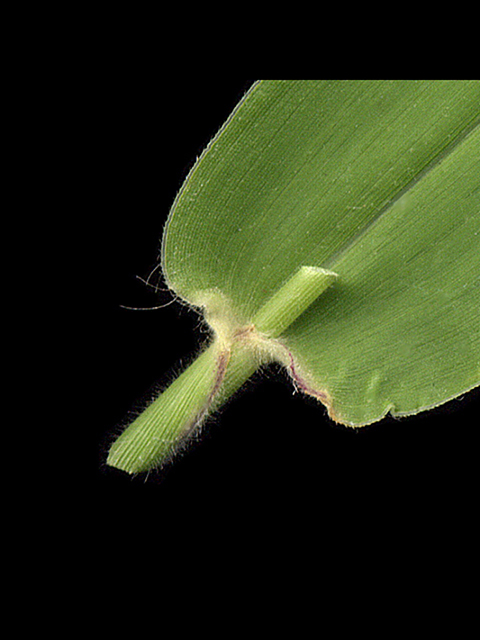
(291,300)
(213,377)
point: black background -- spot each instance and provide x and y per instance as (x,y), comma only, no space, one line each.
(270,461)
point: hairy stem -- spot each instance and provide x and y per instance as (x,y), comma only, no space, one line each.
(214,376)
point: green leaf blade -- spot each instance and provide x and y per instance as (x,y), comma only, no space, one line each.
(313,173)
